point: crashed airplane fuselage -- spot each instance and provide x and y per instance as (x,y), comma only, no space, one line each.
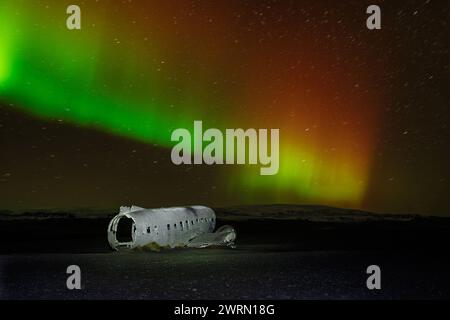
(172,227)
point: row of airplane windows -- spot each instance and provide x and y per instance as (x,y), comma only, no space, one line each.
(182,226)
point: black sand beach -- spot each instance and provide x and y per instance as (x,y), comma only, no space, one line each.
(275,258)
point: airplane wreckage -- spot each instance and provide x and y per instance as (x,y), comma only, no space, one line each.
(191,227)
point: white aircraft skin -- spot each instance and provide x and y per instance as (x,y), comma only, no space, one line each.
(172,227)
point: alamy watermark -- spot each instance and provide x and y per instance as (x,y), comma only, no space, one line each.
(373,282)
(373,22)
(236,146)
(74,279)
(73,22)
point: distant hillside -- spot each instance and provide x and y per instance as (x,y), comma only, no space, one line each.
(313,213)
(57,213)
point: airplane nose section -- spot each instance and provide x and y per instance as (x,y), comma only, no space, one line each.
(224,236)
(228,234)
(230,237)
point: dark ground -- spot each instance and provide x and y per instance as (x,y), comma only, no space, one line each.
(274,259)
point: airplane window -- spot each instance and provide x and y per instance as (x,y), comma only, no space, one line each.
(148,229)
(187,225)
(192,222)
(181,225)
(174,225)
(168,227)
(196,220)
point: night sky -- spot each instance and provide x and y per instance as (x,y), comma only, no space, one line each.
(86,115)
